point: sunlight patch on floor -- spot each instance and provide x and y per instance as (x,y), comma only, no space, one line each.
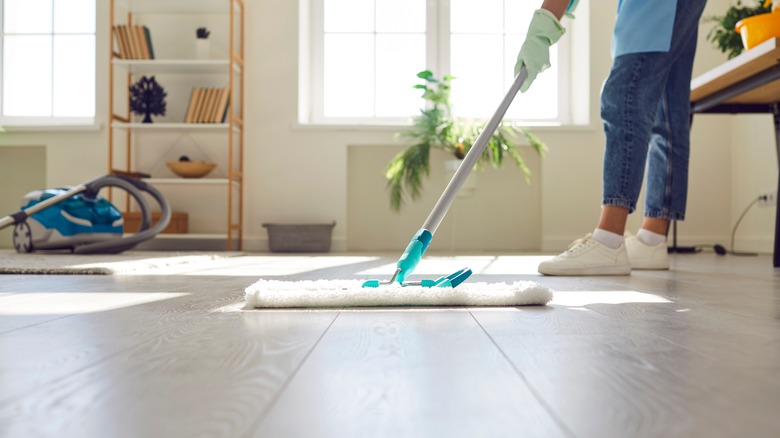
(75,303)
(264,266)
(583,298)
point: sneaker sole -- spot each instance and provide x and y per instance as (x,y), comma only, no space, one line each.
(603,270)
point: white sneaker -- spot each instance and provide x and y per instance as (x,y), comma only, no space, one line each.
(644,256)
(588,256)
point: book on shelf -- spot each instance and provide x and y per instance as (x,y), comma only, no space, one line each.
(134,42)
(224,102)
(138,51)
(125,46)
(200,117)
(118,43)
(148,37)
(208,105)
(140,39)
(218,103)
(195,111)
(194,96)
(121,42)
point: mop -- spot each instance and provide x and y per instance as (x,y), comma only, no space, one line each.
(398,291)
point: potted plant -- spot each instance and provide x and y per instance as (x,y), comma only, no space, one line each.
(437,128)
(724,35)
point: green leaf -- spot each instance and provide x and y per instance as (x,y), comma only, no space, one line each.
(723,34)
(425,74)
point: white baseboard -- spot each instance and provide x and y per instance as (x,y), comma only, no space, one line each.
(761,245)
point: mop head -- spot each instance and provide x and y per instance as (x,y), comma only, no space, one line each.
(350,293)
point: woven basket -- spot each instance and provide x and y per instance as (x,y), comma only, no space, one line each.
(299,237)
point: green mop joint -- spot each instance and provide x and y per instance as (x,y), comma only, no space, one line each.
(414,252)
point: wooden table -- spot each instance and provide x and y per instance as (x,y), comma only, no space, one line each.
(748,83)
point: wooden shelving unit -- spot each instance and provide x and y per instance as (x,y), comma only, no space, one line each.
(131,143)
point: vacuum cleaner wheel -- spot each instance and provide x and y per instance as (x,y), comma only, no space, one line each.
(23,237)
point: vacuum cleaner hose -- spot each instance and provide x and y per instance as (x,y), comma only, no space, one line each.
(135,188)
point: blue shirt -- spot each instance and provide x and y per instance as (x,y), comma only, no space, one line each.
(643,26)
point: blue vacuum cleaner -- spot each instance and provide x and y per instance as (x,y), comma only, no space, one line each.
(78,220)
(420,241)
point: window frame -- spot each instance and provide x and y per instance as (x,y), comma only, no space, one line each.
(311,74)
(23,123)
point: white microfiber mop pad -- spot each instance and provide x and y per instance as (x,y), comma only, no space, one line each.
(349,293)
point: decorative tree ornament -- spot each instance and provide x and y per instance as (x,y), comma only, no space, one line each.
(147,98)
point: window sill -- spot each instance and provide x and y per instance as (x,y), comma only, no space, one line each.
(400,128)
(53,127)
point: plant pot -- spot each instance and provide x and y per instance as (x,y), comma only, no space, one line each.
(468,187)
(202,48)
(759,28)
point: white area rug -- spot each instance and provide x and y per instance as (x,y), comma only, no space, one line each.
(128,262)
(349,293)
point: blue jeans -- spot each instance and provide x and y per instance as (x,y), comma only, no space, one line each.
(645,107)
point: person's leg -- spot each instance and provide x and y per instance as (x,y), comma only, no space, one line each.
(656,225)
(668,156)
(629,101)
(647,249)
(613,219)
(646,101)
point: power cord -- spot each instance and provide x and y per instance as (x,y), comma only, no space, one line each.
(734,230)
(720,249)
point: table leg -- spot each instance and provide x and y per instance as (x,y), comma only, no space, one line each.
(776,117)
(674,248)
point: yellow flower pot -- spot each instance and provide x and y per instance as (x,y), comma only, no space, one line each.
(759,28)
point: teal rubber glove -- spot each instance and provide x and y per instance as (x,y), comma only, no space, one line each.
(544,31)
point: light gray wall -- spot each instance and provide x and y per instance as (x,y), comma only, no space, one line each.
(499,213)
(309,174)
(22,170)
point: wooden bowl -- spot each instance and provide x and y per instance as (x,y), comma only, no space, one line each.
(190,169)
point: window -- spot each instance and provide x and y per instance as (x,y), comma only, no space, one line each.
(365,54)
(48,61)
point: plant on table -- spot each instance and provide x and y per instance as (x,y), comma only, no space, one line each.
(724,35)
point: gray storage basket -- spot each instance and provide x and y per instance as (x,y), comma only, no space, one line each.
(299,237)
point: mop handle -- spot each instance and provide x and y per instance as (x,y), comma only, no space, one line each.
(448,196)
